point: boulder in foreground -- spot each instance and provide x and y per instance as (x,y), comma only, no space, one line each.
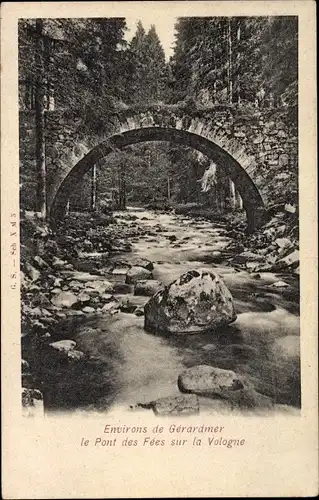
(198,301)
(208,380)
(184,404)
(226,385)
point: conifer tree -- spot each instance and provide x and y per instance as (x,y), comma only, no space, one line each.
(148,66)
(157,72)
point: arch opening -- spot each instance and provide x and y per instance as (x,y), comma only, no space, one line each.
(252,200)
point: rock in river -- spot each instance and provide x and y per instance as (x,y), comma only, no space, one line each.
(139,311)
(32,402)
(283,242)
(25,368)
(75,355)
(31,272)
(198,301)
(147,287)
(185,404)
(40,263)
(207,380)
(291,260)
(279,284)
(137,273)
(88,310)
(63,345)
(140,262)
(58,263)
(64,299)
(84,298)
(98,287)
(111,306)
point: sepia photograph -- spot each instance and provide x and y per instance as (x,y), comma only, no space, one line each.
(159,215)
(158,255)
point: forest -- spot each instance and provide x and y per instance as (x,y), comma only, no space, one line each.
(86,68)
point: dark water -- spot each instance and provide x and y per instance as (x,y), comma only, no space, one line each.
(130,366)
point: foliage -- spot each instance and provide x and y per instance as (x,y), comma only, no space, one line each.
(234,59)
(147,66)
(82,59)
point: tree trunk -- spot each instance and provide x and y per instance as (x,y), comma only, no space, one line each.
(122,188)
(215,83)
(215,92)
(39,121)
(232,190)
(46,63)
(229,66)
(93,189)
(239,201)
(219,191)
(168,189)
(238,64)
(228,194)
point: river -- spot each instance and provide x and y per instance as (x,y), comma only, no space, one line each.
(135,366)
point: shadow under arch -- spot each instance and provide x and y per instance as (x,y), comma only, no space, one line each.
(252,201)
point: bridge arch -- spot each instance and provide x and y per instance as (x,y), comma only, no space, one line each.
(252,200)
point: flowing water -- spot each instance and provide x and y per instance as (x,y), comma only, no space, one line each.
(135,366)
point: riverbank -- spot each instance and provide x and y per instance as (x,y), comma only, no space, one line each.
(74,289)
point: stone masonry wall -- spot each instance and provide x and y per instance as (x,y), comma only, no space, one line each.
(264,142)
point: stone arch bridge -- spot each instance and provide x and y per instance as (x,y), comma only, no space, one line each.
(257,148)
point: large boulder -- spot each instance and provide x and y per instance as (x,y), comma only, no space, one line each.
(207,380)
(217,383)
(198,301)
(137,273)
